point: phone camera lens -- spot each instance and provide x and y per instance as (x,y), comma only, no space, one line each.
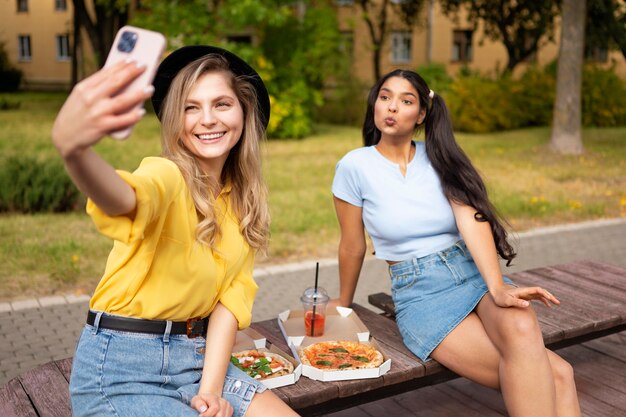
(127,41)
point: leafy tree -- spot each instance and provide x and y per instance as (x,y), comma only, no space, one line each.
(518,24)
(375,14)
(109,16)
(376,27)
(294,46)
(566,127)
(606,24)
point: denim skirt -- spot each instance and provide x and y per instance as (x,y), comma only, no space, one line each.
(433,294)
(118,373)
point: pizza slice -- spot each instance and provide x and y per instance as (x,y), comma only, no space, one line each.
(261,364)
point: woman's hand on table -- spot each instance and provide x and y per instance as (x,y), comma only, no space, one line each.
(507,296)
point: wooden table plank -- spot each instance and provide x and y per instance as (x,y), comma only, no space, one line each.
(47,389)
(14,401)
(603,266)
(583,313)
(604,274)
(583,283)
(583,305)
(65,366)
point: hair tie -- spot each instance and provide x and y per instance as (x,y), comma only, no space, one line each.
(431,94)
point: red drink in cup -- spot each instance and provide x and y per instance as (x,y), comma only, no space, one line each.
(314,301)
(317,324)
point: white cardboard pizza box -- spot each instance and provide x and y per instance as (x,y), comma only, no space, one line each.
(251,339)
(341,324)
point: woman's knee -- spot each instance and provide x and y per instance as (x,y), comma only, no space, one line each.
(521,328)
(562,371)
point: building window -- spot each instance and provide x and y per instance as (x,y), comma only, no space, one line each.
(63,47)
(23,48)
(462,46)
(401,47)
(60,5)
(596,54)
(22,5)
(346,44)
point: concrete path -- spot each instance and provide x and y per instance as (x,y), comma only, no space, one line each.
(34,332)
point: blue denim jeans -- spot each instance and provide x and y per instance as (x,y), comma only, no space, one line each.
(119,373)
(433,294)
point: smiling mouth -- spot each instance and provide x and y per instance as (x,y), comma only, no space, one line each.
(210,136)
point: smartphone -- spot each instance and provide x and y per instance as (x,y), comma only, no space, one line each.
(145,47)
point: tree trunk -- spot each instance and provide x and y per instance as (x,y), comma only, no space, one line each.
(566,126)
(109,17)
(75,48)
(379,38)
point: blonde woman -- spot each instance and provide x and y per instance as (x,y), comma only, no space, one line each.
(186,227)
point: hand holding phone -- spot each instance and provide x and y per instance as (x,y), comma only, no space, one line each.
(144,47)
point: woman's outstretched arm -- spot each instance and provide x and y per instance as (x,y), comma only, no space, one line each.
(92,111)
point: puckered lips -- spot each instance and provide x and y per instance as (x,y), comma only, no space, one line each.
(390,121)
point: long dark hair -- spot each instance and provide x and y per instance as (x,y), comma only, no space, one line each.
(460,181)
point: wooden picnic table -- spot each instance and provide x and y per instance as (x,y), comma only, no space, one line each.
(593,297)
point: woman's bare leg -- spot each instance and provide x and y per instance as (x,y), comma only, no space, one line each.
(268,404)
(523,371)
(526,379)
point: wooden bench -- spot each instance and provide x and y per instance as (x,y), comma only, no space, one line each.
(593,297)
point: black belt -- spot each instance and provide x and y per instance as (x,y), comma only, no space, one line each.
(193,327)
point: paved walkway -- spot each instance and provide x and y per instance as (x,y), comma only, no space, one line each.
(34,332)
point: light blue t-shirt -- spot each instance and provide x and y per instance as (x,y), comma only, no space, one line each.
(406,216)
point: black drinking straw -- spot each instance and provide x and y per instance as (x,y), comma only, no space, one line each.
(317,270)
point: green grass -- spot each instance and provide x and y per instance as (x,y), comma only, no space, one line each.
(45,254)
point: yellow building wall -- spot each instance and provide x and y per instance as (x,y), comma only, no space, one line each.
(488,56)
(43,24)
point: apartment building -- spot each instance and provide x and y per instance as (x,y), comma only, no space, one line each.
(38,35)
(438,39)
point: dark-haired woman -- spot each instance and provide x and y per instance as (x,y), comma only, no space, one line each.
(426,210)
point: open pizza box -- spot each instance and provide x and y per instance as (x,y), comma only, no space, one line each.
(342,324)
(251,339)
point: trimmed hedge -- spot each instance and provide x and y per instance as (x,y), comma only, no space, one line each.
(10,77)
(480,104)
(29,185)
(604,98)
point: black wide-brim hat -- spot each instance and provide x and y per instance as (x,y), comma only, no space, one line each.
(178,59)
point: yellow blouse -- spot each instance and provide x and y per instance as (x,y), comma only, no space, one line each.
(157,269)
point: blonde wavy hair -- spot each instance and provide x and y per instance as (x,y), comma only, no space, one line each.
(242,169)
